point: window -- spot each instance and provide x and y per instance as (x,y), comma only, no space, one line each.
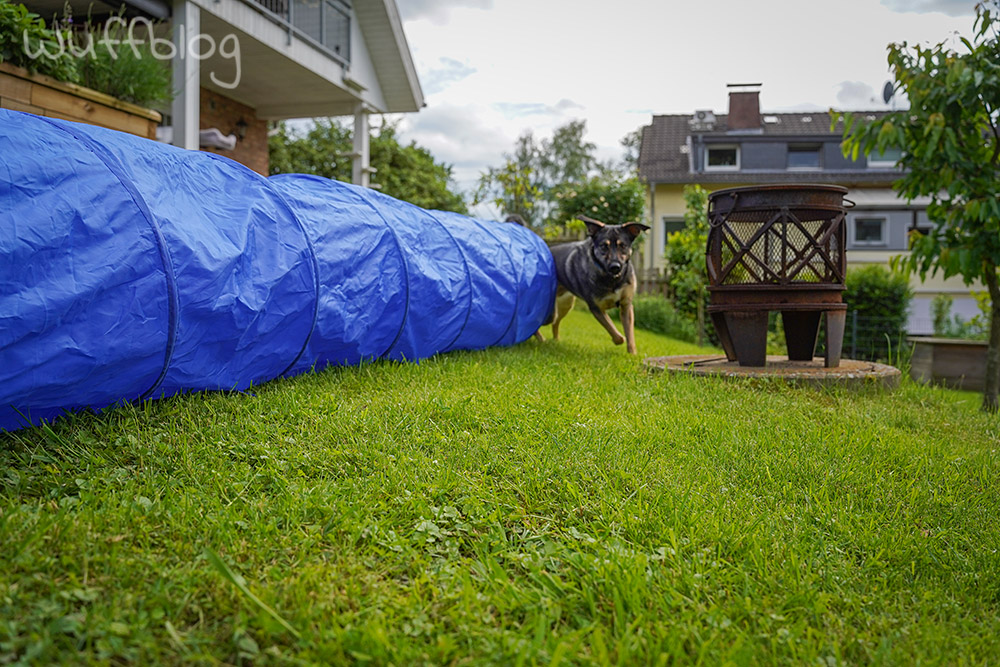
(671,224)
(887,159)
(915,232)
(722,158)
(869,231)
(803,156)
(327,22)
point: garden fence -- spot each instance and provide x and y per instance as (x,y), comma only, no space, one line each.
(869,338)
(654,282)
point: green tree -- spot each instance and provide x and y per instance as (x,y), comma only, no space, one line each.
(405,172)
(685,259)
(630,143)
(324,150)
(949,140)
(566,157)
(609,197)
(531,177)
(410,173)
(511,189)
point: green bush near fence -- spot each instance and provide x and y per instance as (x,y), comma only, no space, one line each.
(877,301)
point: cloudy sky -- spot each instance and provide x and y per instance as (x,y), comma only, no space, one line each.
(492,69)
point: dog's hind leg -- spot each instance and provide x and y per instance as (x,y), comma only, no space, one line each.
(564,304)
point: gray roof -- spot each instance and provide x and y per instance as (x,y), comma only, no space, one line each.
(664,150)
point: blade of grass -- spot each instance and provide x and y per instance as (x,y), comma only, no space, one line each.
(240,584)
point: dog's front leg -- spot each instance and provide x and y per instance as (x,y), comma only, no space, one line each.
(628,323)
(606,322)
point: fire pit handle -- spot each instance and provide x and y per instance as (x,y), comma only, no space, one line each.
(848,204)
(721,216)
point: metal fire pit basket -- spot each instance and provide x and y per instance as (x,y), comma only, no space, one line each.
(777,248)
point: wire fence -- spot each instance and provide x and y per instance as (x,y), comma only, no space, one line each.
(873,338)
(866,337)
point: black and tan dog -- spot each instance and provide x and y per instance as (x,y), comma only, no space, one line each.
(598,271)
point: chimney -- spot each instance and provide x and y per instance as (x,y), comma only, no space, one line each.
(744,106)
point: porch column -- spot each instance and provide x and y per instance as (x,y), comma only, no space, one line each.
(361,169)
(184,110)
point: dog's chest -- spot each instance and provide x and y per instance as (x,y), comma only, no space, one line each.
(612,299)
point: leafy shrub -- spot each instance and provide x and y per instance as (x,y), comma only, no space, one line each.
(875,291)
(134,76)
(20,28)
(609,197)
(655,313)
(685,262)
(79,56)
(948,326)
(878,299)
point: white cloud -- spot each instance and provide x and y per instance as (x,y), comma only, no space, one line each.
(450,71)
(468,137)
(522,109)
(437,12)
(947,7)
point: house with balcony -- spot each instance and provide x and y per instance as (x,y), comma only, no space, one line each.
(238,64)
(746,146)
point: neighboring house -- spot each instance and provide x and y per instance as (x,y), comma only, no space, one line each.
(748,147)
(241,63)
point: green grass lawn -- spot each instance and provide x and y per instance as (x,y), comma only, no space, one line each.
(548,503)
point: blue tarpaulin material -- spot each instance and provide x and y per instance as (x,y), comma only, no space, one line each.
(131,269)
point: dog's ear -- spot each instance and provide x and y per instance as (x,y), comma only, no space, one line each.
(593,226)
(634,228)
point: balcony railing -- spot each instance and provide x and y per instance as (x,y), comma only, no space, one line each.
(325,23)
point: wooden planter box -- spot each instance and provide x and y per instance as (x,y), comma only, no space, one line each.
(960,364)
(22,91)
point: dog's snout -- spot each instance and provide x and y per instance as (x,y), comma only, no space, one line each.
(615,267)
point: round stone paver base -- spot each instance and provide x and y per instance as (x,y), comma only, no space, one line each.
(850,373)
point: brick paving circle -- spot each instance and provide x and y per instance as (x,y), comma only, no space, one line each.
(851,373)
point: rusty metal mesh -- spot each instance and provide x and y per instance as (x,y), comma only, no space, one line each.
(768,247)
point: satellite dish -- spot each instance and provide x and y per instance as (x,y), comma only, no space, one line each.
(887,90)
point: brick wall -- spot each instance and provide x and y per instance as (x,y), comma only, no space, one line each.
(223,113)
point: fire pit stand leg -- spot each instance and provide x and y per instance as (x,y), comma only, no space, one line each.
(835,321)
(748,331)
(722,331)
(801,329)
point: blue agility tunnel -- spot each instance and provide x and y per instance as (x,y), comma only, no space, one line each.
(131,269)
